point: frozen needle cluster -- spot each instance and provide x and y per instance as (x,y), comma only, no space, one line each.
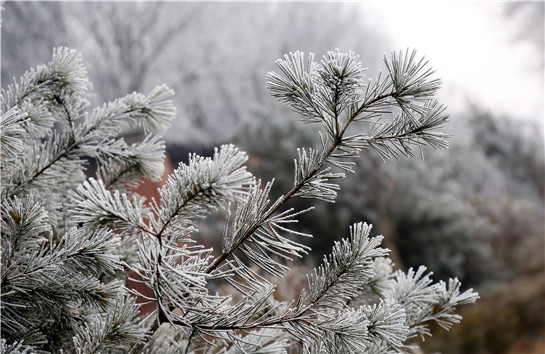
(69,241)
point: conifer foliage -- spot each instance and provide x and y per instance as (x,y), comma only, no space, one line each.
(69,241)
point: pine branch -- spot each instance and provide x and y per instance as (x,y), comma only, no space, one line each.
(202,185)
(20,123)
(60,259)
(52,280)
(138,161)
(96,207)
(304,180)
(63,84)
(65,73)
(153,113)
(112,330)
(331,287)
(348,268)
(71,148)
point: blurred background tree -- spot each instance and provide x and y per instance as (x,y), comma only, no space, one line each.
(482,220)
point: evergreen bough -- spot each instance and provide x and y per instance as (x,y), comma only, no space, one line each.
(70,241)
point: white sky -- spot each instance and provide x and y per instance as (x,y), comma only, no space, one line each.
(471,46)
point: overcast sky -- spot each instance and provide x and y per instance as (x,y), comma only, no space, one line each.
(473,46)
